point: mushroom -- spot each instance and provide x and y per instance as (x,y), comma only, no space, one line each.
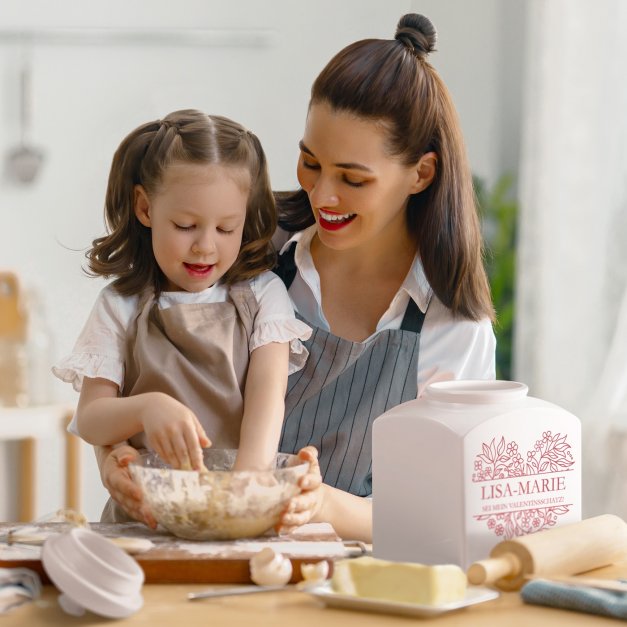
(268,568)
(315,573)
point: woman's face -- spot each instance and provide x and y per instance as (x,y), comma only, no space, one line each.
(358,192)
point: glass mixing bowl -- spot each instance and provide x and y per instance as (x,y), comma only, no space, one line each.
(220,504)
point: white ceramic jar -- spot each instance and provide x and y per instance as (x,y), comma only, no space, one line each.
(467,465)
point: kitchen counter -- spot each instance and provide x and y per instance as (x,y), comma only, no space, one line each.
(168,605)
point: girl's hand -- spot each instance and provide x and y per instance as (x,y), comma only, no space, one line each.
(173,432)
(305,506)
(117,479)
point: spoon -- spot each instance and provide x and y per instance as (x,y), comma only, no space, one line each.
(24,161)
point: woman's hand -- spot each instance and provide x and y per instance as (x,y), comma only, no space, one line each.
(305,506)
(117,479)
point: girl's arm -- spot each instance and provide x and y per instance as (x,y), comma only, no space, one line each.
(264,406)
(350,515)
(172,430)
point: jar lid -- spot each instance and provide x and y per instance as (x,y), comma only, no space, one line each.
(476,391)
(93,574)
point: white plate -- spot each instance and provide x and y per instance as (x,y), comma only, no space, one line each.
(324,592)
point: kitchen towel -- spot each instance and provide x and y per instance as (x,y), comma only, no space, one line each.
(17,586)
(577,598)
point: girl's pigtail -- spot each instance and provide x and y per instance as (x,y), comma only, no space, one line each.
(126,251)
(257,252)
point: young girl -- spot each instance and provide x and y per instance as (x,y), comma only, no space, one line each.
(189,345)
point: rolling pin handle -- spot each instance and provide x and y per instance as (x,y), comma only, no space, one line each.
(488,571)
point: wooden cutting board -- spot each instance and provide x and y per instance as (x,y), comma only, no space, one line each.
(174,560)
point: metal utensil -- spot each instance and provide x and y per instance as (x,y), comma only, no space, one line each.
(237,590)
(24,161)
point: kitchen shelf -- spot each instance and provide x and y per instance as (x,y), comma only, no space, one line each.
(186,37)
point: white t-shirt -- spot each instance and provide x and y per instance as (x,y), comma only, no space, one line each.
(100,349)
(450,348)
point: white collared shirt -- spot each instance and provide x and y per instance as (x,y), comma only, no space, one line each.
(450,348)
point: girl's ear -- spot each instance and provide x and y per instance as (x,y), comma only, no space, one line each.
(141,205)
(425,172)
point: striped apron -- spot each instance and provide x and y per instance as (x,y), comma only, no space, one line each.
(332,402)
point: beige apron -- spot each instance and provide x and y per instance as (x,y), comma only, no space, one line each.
(198,354)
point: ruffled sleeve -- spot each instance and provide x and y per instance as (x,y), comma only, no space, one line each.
(284,330)
(100,348)
(74,367)
(276,322)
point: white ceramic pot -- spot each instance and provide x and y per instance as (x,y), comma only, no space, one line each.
(467,465)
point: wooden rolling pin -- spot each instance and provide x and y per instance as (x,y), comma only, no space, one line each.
(566,550)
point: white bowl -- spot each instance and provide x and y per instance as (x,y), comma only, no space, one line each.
(221,504)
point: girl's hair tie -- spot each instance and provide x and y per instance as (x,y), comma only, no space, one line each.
(167,124)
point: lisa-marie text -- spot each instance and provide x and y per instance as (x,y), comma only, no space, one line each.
(520,488)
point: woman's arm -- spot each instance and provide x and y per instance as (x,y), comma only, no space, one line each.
(350,515)
(264,406)
(172,430)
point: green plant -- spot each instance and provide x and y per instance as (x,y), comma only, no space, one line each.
(498,209)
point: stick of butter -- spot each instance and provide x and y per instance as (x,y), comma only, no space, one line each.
(399,581)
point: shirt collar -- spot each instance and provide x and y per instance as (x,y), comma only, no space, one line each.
(415,284)
(304,260)
(306,235)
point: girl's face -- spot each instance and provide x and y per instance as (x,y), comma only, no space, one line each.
(197,219)
(358,192)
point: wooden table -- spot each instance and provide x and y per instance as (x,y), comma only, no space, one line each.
(168,605)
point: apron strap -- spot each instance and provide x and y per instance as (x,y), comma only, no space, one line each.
(413,318)
(286,266)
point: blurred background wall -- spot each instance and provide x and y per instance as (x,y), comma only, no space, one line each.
(256,66)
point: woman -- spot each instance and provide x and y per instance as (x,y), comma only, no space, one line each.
(385,264)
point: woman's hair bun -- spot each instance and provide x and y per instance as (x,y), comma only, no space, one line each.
(417,33)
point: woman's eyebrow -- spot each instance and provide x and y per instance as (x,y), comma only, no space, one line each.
(345,166)
(301,145)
